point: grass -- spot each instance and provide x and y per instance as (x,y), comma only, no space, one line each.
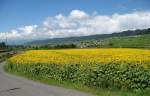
(139,41)
(3,56)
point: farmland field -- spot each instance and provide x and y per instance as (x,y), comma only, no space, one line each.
(86,56)
(120,68)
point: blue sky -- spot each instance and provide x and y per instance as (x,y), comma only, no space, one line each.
(40,19)
(17,13)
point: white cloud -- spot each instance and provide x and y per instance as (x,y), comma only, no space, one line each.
(28,29)
(78,14)
(80,23)
(135,20)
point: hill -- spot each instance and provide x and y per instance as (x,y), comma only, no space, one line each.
(92,37)
(127,39)
(137,41)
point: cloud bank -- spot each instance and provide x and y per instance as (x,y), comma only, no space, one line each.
(79,23)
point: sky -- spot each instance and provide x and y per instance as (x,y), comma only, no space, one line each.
(27,20)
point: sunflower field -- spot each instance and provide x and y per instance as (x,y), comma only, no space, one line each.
(120,68)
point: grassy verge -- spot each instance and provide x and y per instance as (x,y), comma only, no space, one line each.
(4,56)
(65,84)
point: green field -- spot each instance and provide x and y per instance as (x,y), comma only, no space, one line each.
(141,41)
(137,41)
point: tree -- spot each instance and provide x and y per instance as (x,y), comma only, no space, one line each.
(2,45)
(111,44)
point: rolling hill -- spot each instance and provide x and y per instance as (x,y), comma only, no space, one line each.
(130,38)
(138,41)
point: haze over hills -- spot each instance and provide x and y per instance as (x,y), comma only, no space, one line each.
(130,34)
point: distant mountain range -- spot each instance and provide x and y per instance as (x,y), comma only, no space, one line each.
(89,38)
